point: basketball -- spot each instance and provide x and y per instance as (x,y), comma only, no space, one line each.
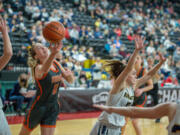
(54,32)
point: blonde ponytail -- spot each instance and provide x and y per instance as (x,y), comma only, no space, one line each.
(32,62)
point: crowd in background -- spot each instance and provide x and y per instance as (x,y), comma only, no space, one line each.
(157,21)
(114,22)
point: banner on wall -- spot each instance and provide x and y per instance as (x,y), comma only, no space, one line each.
(165,95)
(169,95)
(82,100)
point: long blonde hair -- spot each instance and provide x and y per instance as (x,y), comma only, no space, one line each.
(32,62)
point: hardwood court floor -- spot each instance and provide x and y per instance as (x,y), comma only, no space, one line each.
(83,127)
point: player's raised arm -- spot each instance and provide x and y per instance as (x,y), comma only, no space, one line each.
(45,67)
(166,109)
(7,54)
(151,73)
(139,44)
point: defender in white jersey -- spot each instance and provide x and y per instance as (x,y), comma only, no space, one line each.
(112,124)
(122,93)
(171,110)
(4,59)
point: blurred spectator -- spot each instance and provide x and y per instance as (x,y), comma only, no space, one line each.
(1,7)
(150,49)
(98,23)
(97,33)
(20,93)
(104,25)
(74,50)
(123,51)
(91,8)
(83,34)
(77,68)
(104,4)
(21,23)
(98,64)
(99,12)
(118,31)
(109,15)
(82,79)
(118,42)
(66,51)
(162,49)
(9,9)
(90,53)
(21,56)
(67,36)
(70,63)
(96,71)
(74,34)
(44,15)
(36,15)
(90,33)
(114,52)
(170,46)
(76,3)
(176,56)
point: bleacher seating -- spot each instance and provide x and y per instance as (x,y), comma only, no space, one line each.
(21,38)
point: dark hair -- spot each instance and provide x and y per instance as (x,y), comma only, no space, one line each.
(114,67)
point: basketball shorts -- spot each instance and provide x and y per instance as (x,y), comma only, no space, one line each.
(101,129)
(140,101)
(45,115)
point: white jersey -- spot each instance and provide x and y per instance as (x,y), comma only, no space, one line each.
(174,125)
(4,128)
(123,98)
(1,105)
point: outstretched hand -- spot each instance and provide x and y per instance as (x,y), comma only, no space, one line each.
(3,26)
(103,107)
(56,47)
(68,75)
(162,58)
(139,43)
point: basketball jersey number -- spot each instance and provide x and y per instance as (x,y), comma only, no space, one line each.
(55,88)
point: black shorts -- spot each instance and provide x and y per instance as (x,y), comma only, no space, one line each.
(45,115)
(140,101)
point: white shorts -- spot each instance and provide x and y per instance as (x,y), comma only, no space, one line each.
(100,129)
(4,128)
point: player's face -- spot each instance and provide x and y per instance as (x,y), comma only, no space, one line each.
(42,52)
(131,79)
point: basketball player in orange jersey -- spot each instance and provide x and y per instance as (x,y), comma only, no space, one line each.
(4,59)
(47,73)
(155,79)
(140,95)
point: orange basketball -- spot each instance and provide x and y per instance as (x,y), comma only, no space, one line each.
(54,32)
